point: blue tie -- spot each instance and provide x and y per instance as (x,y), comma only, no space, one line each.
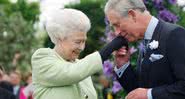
(145,45)
(142,52)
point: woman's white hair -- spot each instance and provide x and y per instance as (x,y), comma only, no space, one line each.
(60,23)
(122,6)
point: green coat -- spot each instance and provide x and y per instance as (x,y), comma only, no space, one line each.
(55,78)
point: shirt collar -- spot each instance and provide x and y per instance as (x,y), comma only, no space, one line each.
(151,27)
(16,89)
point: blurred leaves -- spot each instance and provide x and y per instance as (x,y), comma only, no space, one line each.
(167,10)
(17,34)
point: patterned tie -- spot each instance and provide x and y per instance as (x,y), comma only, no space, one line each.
(145,45)
(142,52)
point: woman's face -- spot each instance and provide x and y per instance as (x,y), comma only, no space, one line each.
(72,46)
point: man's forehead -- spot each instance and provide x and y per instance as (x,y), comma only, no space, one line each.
(113,17)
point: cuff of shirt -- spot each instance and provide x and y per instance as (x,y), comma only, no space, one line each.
(121,70)
(149,94)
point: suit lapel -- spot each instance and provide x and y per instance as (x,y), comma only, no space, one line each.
(145,65)
(155,36)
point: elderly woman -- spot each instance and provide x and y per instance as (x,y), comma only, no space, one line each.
(57,73)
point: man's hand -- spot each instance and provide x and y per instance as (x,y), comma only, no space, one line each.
(139,93)
(122,56)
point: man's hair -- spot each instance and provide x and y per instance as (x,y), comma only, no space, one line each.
(122,6)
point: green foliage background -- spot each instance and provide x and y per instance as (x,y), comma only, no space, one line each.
(17,33)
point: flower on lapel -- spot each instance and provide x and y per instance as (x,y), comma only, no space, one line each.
(154,45)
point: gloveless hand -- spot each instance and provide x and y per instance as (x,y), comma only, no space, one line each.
(122,56)
(139,93)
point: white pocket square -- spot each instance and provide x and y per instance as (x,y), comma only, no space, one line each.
(155,57)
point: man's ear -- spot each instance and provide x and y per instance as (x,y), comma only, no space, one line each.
(132,14)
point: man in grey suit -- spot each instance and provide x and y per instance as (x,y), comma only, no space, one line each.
(160,72)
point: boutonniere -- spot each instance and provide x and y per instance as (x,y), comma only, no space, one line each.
(154,45)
